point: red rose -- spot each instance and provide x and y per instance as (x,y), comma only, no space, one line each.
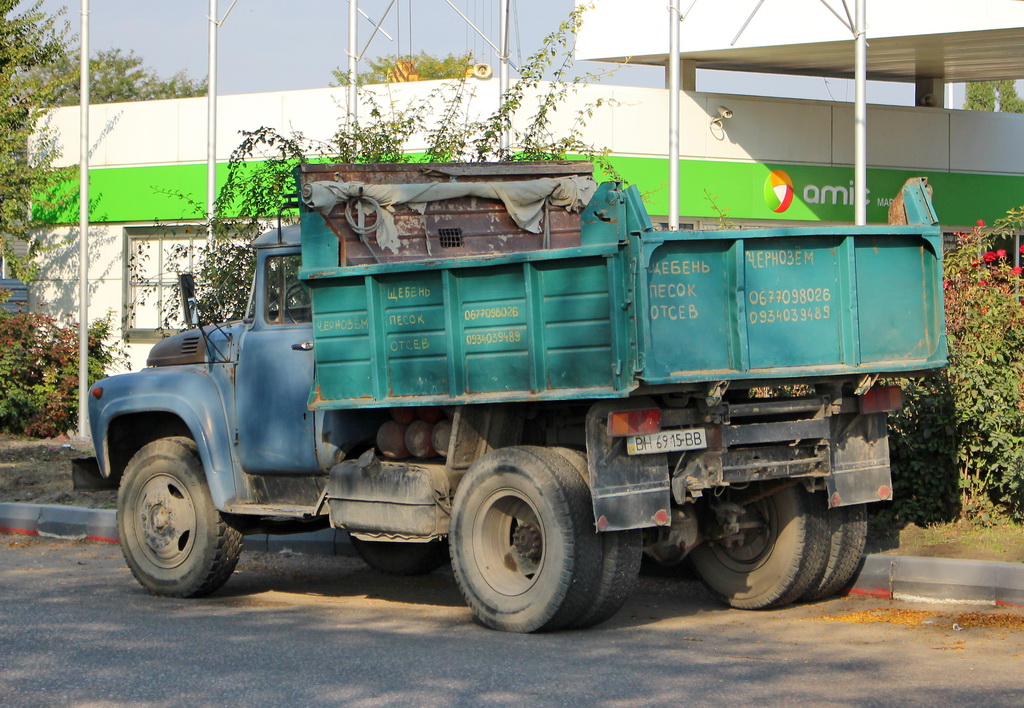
(981,222)
(989,256)
(1001,253)
(1018,270)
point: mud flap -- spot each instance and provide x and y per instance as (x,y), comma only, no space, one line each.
(629,491)
(86,476)
(860,460)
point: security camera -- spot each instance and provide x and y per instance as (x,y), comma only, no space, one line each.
(724,112)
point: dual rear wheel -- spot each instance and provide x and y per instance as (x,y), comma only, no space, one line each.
(524,549)
(790,547)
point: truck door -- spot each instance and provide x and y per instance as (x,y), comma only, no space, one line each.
(275,373)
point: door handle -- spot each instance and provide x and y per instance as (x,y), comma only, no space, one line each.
(302,346)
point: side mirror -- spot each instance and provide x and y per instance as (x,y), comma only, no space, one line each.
(187,286)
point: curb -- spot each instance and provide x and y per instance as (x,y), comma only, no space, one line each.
(892,577)
(940,580)
(73,523)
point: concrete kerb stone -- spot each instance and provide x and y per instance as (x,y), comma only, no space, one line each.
(873,577)
(940,580)
(58,521)
(897,577)
(944,579)
(19,518)
(75,523)
(1009,585)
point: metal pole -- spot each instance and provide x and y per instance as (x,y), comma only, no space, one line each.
(211,122)
(83,230)
(503,66)
(673,115)
(353,60)
(860,118)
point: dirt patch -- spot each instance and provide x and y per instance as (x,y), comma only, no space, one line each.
(957,621)
(39,472)
(952,540)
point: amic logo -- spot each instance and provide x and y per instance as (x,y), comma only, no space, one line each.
(778,191)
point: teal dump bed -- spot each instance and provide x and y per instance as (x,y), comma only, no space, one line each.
(630,306)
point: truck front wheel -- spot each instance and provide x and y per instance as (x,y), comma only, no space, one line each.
(173,538)
(778,555)
(524,550)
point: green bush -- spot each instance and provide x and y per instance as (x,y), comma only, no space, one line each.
(958,444)
(39,372)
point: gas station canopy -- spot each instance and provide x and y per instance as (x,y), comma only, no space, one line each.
(908,40)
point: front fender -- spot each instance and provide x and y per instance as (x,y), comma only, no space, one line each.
(188,393)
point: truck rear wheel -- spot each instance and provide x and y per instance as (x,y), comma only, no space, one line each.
(173,538)
(402,558)
(848,526)
(523,546)
(621,554)
(781,551)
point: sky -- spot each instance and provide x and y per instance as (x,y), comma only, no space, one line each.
(277,45)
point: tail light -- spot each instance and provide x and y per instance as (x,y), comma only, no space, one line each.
(641,422)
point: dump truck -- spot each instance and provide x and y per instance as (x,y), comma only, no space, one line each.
(507,366)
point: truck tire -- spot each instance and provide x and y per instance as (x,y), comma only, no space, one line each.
(173,538)
(783,553)
(621,555)
(402,558)
(524,550)
(848,526)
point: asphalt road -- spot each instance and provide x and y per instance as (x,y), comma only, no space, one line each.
(76,630)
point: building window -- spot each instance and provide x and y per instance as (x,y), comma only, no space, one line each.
(153,258)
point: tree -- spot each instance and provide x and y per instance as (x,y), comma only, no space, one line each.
(117,76)
(993,96)
(29,39)
(261,169)
(382,69)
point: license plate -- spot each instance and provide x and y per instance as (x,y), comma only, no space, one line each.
(667,441)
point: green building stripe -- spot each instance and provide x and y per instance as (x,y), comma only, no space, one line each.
(821,193)
(736,190)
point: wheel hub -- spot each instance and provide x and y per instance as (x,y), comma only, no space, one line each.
(528,541)
(510,542)
(159,517)
(167,521)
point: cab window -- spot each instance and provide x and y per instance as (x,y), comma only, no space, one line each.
(285,297)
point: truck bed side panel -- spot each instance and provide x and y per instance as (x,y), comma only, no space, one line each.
(501,329)
(786,303)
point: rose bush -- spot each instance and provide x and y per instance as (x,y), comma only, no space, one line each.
(958,443)
(39,372)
